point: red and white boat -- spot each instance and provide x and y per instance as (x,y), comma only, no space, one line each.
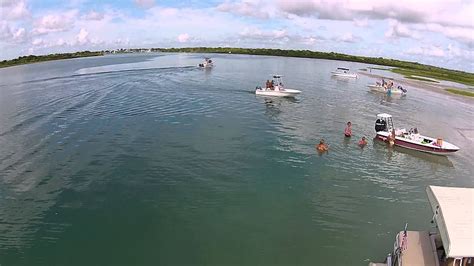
(411,139)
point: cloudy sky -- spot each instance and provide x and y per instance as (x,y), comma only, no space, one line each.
(429,31)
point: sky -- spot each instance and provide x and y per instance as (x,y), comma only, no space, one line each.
(433,32)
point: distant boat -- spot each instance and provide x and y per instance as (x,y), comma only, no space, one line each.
(411,139)
(275,88)
(387,88)
(207,63)
(344,72)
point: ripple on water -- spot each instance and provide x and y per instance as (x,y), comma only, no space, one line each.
(199,151)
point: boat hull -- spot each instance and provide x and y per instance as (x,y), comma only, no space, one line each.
(381,89)
(344,75)
(205,65)
(280,93)
(445,149)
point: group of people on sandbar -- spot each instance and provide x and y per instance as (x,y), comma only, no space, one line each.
(324,147)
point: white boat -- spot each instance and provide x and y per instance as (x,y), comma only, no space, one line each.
(451,243)
(387,88)
(344,72)
(207,63)
(411,139)
(275,88)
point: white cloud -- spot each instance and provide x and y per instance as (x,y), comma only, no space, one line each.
(55,22)
(427,51)
(13,10)
(250,8)
(453,12)
(361,22)
(92,15)
(460,34)
(347,37)
(399,30)
(145,3)
(184,37)
(256,33)
(61,42)
(81,37)
(120,41)
(38,42)
(10,34)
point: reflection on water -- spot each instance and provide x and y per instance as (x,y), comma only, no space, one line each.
(178,160)
(435,159)
(431,158)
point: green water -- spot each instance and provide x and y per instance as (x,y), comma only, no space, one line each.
(148,160)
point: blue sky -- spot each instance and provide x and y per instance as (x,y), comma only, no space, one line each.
(429,31)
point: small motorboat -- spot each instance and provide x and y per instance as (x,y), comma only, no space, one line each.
(387,88)
(275,88)
(344,72)
(207,63)
(410,139)
(448,242)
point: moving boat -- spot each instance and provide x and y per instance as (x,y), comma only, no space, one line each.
(387,88)
(207,63)
(276,88)
(411,139)
(344,72)
(452,244)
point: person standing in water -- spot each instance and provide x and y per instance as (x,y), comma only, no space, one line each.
(348,130)
(391,138)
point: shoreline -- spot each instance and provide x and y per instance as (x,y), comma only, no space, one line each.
(32,59)
(406,68)
(434,87)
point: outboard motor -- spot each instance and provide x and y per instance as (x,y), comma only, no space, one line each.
(402,89)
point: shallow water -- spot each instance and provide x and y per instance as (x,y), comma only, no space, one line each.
(146,159)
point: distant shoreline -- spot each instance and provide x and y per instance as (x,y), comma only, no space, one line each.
(411,70)
(30,59)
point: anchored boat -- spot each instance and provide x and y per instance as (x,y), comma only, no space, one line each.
(344,72)
(450,244)
(387,88)
(410,139)
(275,88)
(207,63)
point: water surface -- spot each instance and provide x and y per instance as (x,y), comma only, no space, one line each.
(147,159)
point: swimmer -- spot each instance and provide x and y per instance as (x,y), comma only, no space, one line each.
(362,142)
(322,147)
(348,130)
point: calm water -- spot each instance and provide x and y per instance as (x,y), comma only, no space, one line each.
(147,160)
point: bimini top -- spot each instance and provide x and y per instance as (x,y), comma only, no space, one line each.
(343,68)
(277,76)
(453,210)
(384,115)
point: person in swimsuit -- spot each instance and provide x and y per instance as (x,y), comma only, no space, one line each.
(322,147)
(348,130)
(362,142)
